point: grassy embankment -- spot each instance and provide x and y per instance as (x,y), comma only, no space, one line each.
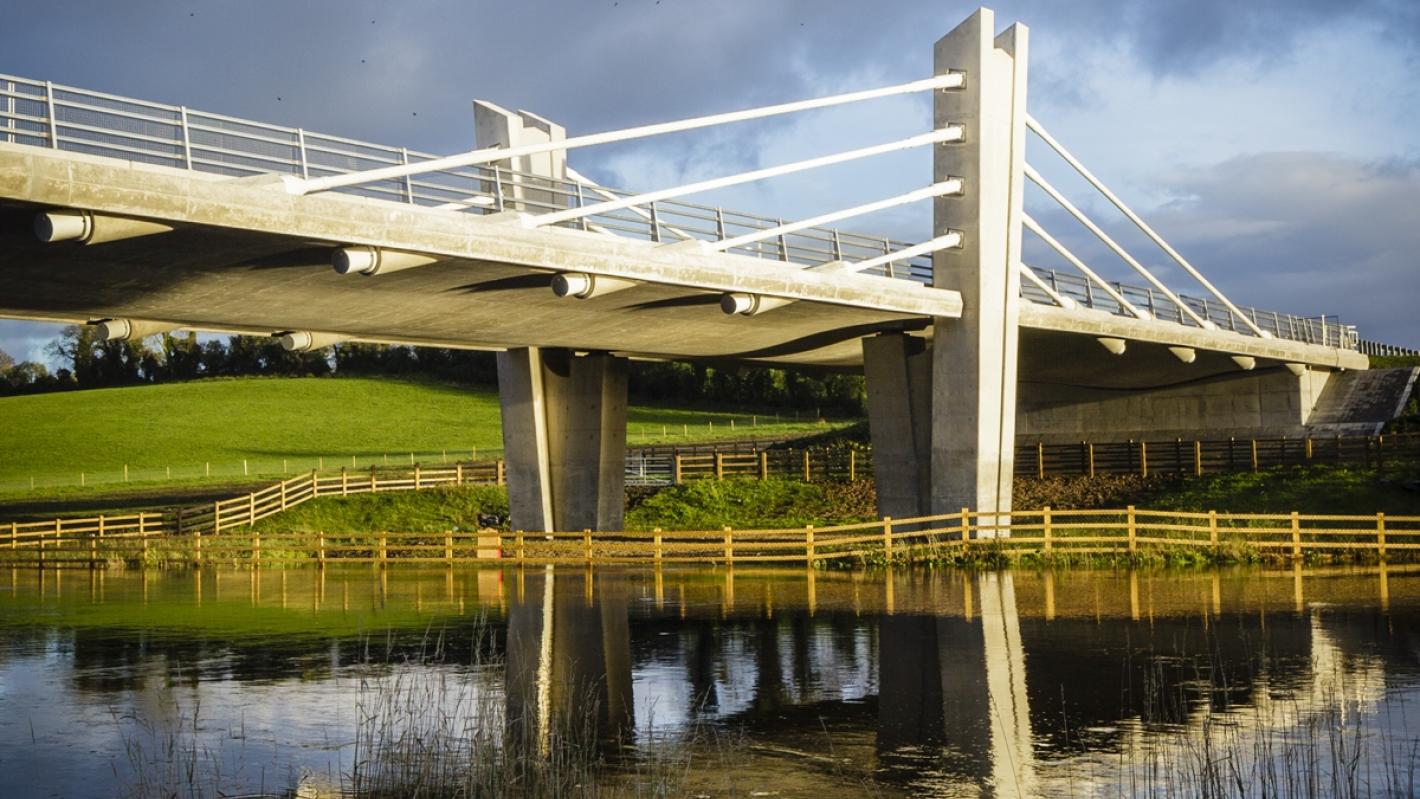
(253,429)
(774,504)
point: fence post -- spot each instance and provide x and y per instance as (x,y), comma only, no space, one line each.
(315,483)
(344,483)
(518,543)
(374,485)
(677,475)
(587,543)
(809,544)
(416,477)
(14,535)
(729,547)
(887,537)
(1143,458)
(719,465)
(197,547)
(449,547)
(320,549)
(1040,460)
(1045,524)
(852,465)
(1197,458)
(1090,449)
(502,469)
(384,549)
(216,517)
(251,509)
(1213,528)
(1380,454)
(1296,536)
(657,536)
(1309,447)
(1254,454)
(808,475)
(1380,535)
(458,474)
(255,548)
(1132,529)
(965,527)
(94,543)
(764,464)
(283,494)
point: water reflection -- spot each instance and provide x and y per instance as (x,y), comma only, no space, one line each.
(905,683)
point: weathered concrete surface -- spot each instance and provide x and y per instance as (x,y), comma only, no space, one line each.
(564,438)
(1262,403)
(1360,403)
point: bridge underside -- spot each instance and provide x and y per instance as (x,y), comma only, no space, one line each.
(218,279)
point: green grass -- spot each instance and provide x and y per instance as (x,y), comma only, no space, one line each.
(1318,489)
(752,504)
(181,430)
(432,511)
(702,505)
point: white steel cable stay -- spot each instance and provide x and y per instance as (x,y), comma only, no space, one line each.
(1133,217)
(943,242)
(1080,217)
(294,185)
(947,134)
(1034,227)
(948,186)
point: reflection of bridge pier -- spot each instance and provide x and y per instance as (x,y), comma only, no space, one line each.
(957,685)
(569,657)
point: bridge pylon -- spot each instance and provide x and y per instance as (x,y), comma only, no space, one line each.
(942,413)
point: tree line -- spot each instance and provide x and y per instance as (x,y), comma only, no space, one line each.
(89,361)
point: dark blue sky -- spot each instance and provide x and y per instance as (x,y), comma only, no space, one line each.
(1274,142)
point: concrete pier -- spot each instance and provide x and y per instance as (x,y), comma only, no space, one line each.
(564,438)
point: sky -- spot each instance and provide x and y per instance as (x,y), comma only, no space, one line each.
(1273,143)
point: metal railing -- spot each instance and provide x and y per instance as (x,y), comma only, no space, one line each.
(1324,330)
(1385,350)
(44,114)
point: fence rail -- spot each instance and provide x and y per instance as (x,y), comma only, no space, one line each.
(1130,531)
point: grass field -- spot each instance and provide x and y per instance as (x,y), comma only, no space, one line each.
(244,427)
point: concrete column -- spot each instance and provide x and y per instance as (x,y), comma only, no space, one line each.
(498,127)
(974,357)
(898,371)
(564,438)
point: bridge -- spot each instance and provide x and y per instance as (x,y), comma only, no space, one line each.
(146,218)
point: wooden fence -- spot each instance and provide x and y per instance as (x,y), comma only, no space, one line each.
(1199,457)
(1048,531)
